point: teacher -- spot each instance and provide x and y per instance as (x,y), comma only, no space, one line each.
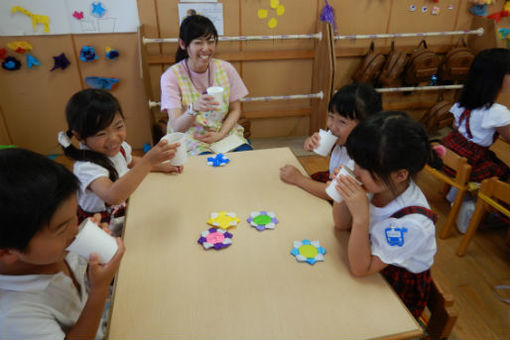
(184,86)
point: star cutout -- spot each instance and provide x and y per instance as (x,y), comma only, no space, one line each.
(218,160)
(78,15)
(98,10)
(61,61)
(216,238)
(223,219)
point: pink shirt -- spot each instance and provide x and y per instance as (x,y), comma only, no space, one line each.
(171,93)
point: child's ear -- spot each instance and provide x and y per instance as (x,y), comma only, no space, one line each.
(76,135)
(8,256)
(182,45)
(400,176)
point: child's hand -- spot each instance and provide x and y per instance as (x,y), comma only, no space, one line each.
(312,142)
(205,103)
(168,168)
(354,197)
(210,137)
(101,275)
(161,152)
(289,174)
(97,220)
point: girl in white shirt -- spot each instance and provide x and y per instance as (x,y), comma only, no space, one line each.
(392,228)
(478,118)
(107,171)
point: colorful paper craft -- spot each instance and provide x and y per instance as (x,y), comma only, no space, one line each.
(262,220)
(101,82)
(32,61)
(60,61)
(216,238)
(111,53)
(218,160)
(11,64)
(88,54)
(308,251)
(262,13)
(36,18)
(98,10)
(3,53)
(223,219)
(78,15)
(20,46)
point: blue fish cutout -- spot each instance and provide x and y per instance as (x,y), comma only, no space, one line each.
(101,82)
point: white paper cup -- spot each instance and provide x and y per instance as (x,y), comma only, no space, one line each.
(331,189)
(181,154)
(216,92)
(327,141)
(93,239)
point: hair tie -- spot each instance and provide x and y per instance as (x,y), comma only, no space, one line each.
(64,140)
(440,150)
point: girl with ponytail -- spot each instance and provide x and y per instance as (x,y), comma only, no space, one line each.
(107,171)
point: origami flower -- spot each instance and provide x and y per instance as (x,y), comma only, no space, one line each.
(218,160)
(308,251)
(11,64)
(88,53)
(223,219)
(111,53)
(216,238)
(262,220)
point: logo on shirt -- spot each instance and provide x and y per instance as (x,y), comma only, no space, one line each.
(395,236)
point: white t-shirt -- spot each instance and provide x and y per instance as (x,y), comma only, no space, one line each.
(407,242)
(43,307)
(339,156)
(482,122)
(87,172)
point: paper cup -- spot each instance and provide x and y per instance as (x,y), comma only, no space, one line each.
(331,189)
(93,239)
(181,154)
(327,141)
(217,93)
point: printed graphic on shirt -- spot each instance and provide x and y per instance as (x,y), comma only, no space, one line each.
(395,235)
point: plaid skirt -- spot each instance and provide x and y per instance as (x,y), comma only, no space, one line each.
(413,289)
(320,176)
(484,162)
(105,215)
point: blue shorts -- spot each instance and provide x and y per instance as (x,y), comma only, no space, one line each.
(244,147)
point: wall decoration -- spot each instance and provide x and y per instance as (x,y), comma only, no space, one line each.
(101,82)
(328,15)
(88,54)
(78,15)
(424,9)
(98,10)
(111,53)
(20,46)
(279,9)
(435,10)
(412,8)
(11,64)
(32,61)
(504,33)
(3,53)
(36,18)
(60,61)
(214,11)
(502,14)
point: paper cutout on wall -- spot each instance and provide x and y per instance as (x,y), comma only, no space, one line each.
(262,13)
(32,61)
(327,15)
(3,53)
(272,23)
(20,46)
(98,10)
(11,64)
(101,82)
(78,15)
(504,33)
(111,53)
(88,54)
(280,10)
(36,18)
(274,3)
(435,10)
(60,61)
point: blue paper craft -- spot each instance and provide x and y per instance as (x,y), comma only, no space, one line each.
(111,53)
(218,160)
(101,82)
(479,10)
(308,251)
(11,64)
(98,10)
(88,53)
(31,61)
(60,61)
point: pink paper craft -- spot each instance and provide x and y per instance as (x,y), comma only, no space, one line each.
(78,15)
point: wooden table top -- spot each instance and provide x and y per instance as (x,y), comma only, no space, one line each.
(168,286)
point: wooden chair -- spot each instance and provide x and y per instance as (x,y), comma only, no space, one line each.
(461,182)
(443,313)
(492,193)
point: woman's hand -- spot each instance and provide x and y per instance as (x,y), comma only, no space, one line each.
(205,103)
(210,137)
(355,197)
(312,142)
(161,152)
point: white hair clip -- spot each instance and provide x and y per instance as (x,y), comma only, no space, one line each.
(64,140)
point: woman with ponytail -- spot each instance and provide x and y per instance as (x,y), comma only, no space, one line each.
(107,171)
(184,86)
(392,226)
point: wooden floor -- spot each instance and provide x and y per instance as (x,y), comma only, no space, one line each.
(470,278)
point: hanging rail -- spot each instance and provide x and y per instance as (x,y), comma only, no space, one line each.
(317,36)
(480,31)
(419,88)
(319,95)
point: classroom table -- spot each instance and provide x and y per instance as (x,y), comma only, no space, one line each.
(169,287)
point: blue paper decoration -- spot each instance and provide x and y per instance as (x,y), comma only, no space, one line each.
(101,82)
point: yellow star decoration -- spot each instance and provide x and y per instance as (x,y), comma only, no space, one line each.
(276,6)
(223,219)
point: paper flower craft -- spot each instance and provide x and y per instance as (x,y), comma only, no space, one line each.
(78,15)
(218,160)
(20,46)
(216,238)
(262,220)
(111,53)
(223,219)
(88,53)
(32,61)
(98,10)
(60,61)
(101,82)
(308,251)
(11,64)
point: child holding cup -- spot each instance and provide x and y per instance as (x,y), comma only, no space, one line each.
(350,105)
(107,171)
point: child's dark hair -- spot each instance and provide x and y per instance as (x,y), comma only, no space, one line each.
(485,78)
(88,112)
(32,187)
(356,101)
(193,27)
(391,141)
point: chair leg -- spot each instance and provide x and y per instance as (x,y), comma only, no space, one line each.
(452,215)
(507,238)
(480,209)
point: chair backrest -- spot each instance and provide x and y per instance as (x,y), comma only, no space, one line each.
(443,313)
(457,163)
(493,192)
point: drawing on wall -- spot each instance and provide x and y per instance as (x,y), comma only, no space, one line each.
(214,11)
(276,8)
(35,17)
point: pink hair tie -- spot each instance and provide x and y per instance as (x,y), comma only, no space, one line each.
(440,150)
